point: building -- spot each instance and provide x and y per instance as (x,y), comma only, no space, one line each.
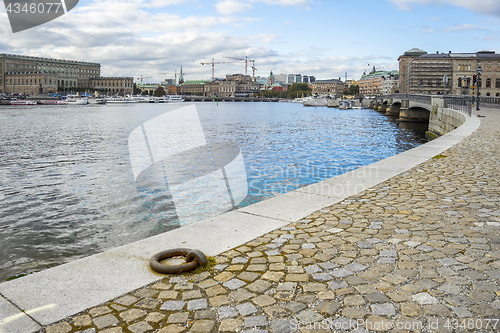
(390,83)
(371,83)
(333,87)
(449,73)
(113,85)
(193,87)
(32,75)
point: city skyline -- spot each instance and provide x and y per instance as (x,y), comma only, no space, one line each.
(153,38)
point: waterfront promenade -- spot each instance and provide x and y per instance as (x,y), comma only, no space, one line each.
(419,251)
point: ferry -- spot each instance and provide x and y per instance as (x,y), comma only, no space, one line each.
(97,100)
(77,100)
(52,102)
(122,100)
(314,101)
(175,98)
(22,102)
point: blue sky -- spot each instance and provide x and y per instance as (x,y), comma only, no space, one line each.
(325,38)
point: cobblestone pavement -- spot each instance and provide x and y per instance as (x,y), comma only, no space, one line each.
(419,252)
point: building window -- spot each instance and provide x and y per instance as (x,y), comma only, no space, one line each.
(488,83)
(497,83)
(459,81)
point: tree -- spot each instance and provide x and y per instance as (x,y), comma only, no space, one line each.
(354,90)
(137,91)
(299,89)
(159,92)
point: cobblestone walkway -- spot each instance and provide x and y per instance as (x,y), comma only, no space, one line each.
(419,252)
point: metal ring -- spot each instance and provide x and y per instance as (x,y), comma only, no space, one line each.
(193,259)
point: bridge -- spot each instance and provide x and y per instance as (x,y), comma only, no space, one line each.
(442,113)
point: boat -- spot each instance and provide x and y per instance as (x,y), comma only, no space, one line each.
(52,102)
(76,100)
(145,99)
(175,99)
(97,100)
(162,100)
(333,103)
(22,102)
(344,105)
(120,99)
(314,101)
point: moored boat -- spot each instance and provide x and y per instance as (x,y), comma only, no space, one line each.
(77,101)
(22,102)
(175,99)
(314,101)
(52,102)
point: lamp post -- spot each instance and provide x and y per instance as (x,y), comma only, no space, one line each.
(479,72)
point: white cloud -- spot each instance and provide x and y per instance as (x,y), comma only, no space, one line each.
(462,27)
(229,7)
(489,7)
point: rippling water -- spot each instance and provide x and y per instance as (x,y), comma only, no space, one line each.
(67,189)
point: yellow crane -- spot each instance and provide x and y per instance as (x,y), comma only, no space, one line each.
(213,63)
(143,77)
(246,60)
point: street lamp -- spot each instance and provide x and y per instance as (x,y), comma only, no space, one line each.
(479,72)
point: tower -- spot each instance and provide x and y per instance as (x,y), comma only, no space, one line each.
(181,77)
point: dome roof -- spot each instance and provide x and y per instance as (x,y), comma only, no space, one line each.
(415,52)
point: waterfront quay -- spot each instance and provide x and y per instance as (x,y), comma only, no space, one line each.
(413,248)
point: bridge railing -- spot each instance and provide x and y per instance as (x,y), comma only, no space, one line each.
(490,102)
(460,103)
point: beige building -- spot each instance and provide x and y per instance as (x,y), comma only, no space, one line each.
(113,85)
(333,88)
(193,87)
(33,75)
(378,82)
(449,73)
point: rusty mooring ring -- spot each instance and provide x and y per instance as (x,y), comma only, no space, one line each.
(193,259)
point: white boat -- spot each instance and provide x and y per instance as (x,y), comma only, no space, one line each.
(52,102)
(145,99)
(344,105)
(333,103)
(175,99)
(122,100)
(76,100)
(314,101)
(22,102)
(97,101)
(162,99)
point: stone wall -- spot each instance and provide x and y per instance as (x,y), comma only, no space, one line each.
(442,119)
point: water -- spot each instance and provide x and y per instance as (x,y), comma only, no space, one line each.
(67,189)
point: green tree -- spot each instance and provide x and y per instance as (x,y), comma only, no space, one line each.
(137,91)
(354,90)
(159,92)
(299,89)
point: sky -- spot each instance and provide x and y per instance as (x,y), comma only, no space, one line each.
(325,38)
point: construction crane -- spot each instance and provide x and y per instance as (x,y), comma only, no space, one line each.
(253,71)
(246,60)
(170,73)
(143,77)
(213,63)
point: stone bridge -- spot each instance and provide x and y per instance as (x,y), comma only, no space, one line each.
(409,108)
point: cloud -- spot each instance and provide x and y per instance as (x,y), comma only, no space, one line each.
(461,28)
(487,7)
(229,7)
